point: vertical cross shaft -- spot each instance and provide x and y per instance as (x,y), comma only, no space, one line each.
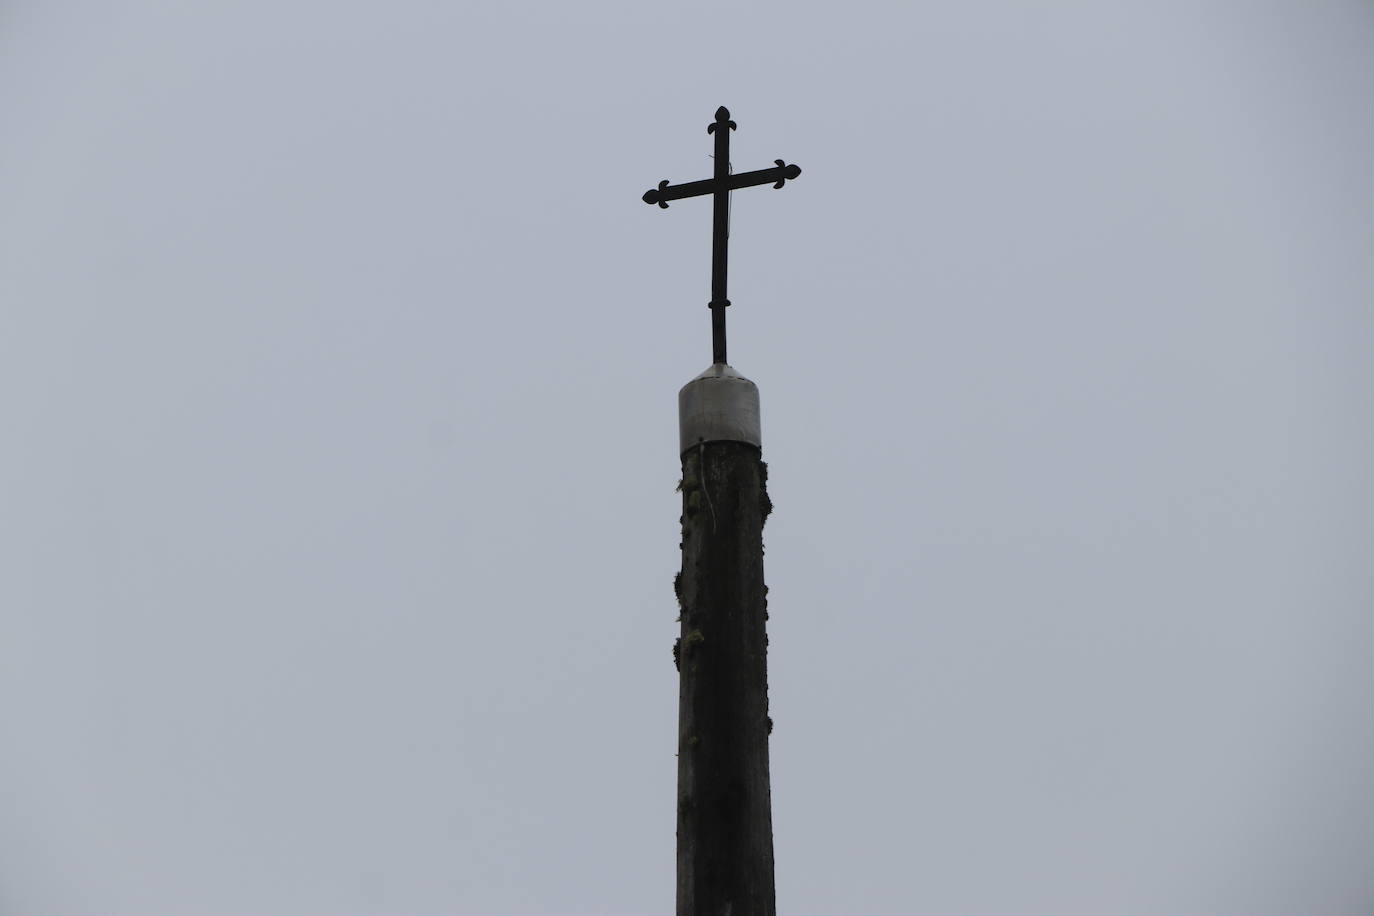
(720,235)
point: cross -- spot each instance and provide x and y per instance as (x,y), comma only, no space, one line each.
(719,187)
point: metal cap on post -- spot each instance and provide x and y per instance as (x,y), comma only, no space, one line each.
(720,405)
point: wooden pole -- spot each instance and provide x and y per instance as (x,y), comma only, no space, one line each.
(724,812)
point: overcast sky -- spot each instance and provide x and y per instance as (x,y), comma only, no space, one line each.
(338,374)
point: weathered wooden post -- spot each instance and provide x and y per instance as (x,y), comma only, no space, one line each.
(724,808)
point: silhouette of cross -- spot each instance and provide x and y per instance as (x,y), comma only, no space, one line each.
(720,187)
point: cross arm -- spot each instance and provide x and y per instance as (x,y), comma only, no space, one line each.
(777,176)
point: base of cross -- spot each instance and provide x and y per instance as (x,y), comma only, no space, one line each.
(718,307)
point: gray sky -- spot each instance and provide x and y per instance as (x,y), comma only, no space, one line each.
(339,372)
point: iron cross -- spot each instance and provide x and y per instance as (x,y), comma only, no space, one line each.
(719,187)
